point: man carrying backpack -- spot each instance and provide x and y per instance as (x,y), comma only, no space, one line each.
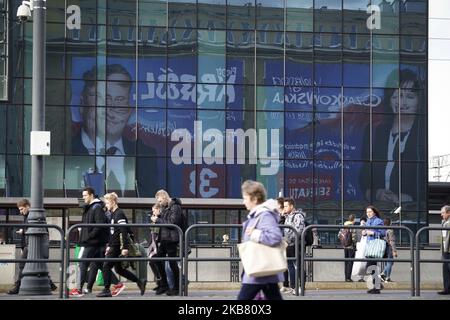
(295,218)
(347,237)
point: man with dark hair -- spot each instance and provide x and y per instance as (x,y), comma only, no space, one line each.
(92,240)
(108,107)
(295,218)
(24,208)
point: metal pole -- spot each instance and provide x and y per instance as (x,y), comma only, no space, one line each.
(36,280)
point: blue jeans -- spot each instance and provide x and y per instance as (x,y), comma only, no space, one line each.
(388,267)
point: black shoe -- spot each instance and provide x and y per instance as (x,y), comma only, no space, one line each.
(106,293)
(374,291)
(161,290)
(383,277)
(14,290)
(361,280)
(53,287)
(173,292)
(444,292)
(156,288)
(348,280)
(141,285)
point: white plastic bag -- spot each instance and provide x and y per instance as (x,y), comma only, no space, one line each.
(359,267)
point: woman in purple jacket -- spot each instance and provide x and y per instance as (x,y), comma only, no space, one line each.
(261,226)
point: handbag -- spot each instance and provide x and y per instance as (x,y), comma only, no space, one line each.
(375,248)
(359,267)
(260,260)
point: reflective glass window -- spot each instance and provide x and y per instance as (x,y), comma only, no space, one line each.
(356,141)
(412,15)
(53,183)
(212,14)
(356,185)
(240,56)
(356,60)
(15,174)
(299,59)
(122,12)
(182,55)
(3,124)
(327,99)
(327,136)
(269,57)
(241,14)
(152,13)
(76,170)
(328,15)
(120,173)
(385,185)
(240,97)
(355,16)
(327,59)
(182,13)
(414,187)
(298,98)
(299,182)
(299,15)
(389,11)
(151,175)
(152,132)
(236,174)
(270,15)
(55,122)
(270,98)
(413,57)
(327,184)
(385,60)
(359,99)
(298,135)
(55,50)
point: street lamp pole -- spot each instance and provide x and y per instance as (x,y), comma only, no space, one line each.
(35,274)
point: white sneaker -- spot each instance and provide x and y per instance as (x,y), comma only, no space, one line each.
(285,290)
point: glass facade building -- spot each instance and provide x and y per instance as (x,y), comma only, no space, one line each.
(323,101)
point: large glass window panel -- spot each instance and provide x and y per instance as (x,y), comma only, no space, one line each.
(55,50)
(389,11)
(299,182)
(270,173)
(182,55)
(152,63)
(359,99)
(299,15)
(54,92)
(270,98)
(14,129)
(269,57)
(270,142)
(356,184)
(152,132)
(413,17)
(81,52)
(241,14)
(182,13)
(3,121)
(122,12)
(28,50)
(413,57)
(209,180)
(212,14)
(202,235)
(240,97)
(181,180)
(153,13)
(226,217)
(120,131)
(240,137)
(236,175)
(298,135)
(270,15)
(414,188)
(327,136)
(154,94)
(414,133)
(27,113)
(356,141)
(240,56)
(88,9)
(385,185)
(54,179)
(182,144)
(356,60)
(382,126)
(184,95)
(328,15)
(26,176)
(56,11)
(120,175)
(327,60)
(385,61)
(327,99)
(328,237)
(55,123)
(2,176)
(414,221)
(123,54)
(150,176)
(327,184)
(211,56)
(77,170)
(298,98)
(299,59)
(355,16)
(14,175)
(212,125)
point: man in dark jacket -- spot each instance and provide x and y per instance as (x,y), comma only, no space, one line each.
(92,239)
(171,213)
(24,208)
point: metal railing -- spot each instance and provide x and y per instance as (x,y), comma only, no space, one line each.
(339,227)
(131,225)
(418,260)
(60,261)
(230,259)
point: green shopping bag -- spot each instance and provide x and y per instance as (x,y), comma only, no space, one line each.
(99,280)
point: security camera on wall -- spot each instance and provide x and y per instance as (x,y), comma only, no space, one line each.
(24,11)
